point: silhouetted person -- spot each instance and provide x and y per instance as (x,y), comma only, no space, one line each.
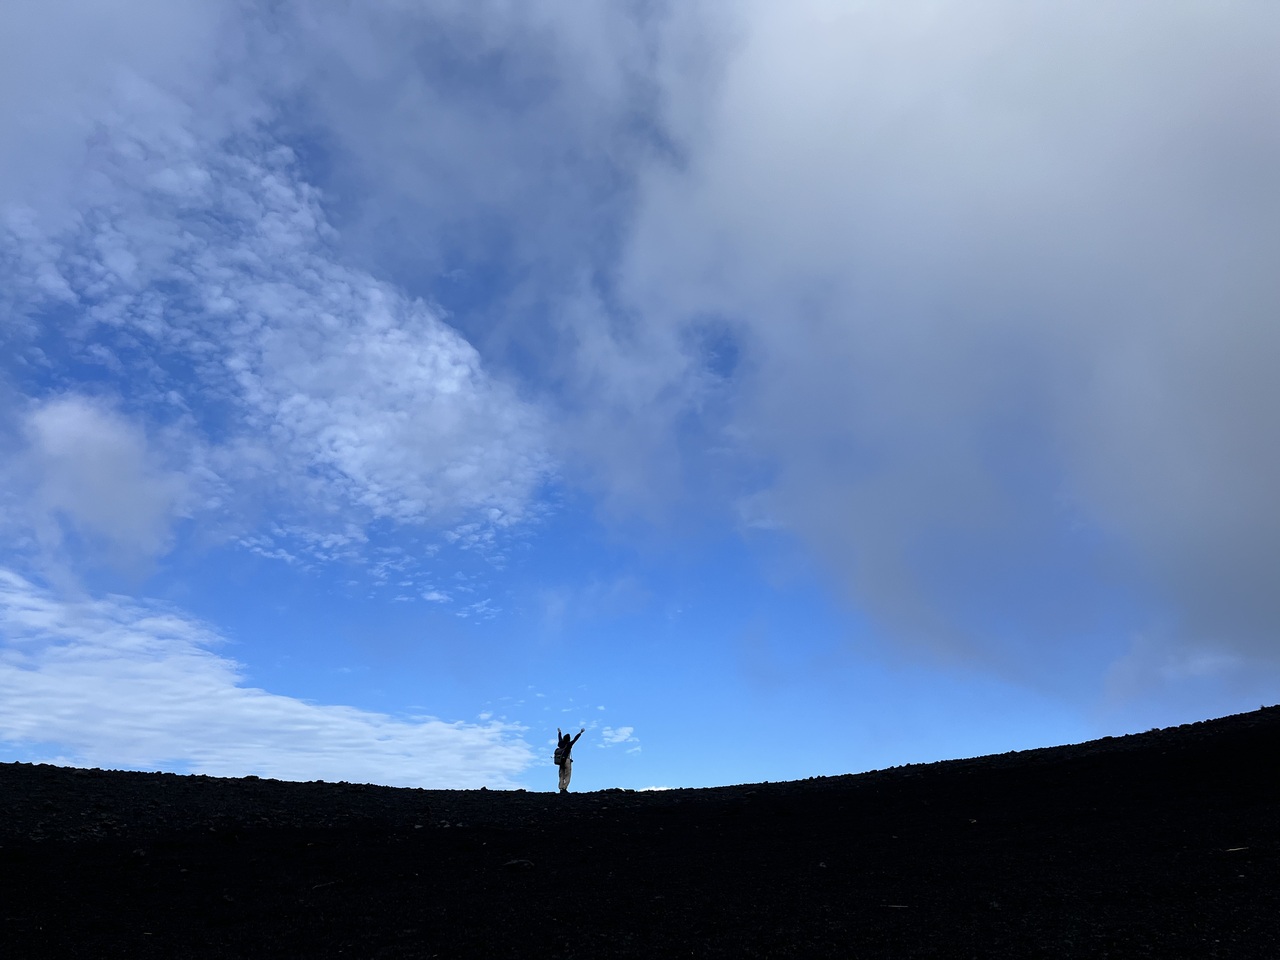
(562,758)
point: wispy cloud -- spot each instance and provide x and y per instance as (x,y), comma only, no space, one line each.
(332,384)
(613,737)
(120,683)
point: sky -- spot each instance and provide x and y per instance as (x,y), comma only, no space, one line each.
(770,390)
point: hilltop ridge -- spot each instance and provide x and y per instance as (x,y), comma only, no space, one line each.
(1159,843)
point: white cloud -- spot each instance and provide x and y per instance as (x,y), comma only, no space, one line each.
(118,683)
(482,610)
(611,737)
(88,472)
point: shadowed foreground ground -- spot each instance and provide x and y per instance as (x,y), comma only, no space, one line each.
(1163,844)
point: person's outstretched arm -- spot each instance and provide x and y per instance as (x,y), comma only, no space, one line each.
(559,735)
(575,739)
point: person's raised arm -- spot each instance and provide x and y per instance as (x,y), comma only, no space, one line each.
(580,733)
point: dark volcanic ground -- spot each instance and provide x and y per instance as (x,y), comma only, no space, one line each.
(1163,844)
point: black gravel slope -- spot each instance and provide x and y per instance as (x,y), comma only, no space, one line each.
(1163,844)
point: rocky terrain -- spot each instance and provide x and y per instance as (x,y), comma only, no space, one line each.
(1162,844)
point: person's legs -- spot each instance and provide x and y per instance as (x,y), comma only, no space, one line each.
(566,771)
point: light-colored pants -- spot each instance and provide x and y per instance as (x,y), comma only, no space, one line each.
(566,771)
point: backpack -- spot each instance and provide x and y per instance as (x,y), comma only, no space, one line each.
(558,757)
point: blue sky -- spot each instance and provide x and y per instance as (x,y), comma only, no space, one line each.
(772,390)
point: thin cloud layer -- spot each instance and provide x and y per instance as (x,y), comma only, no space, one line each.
(60,62)
(116,682)
(501,141)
